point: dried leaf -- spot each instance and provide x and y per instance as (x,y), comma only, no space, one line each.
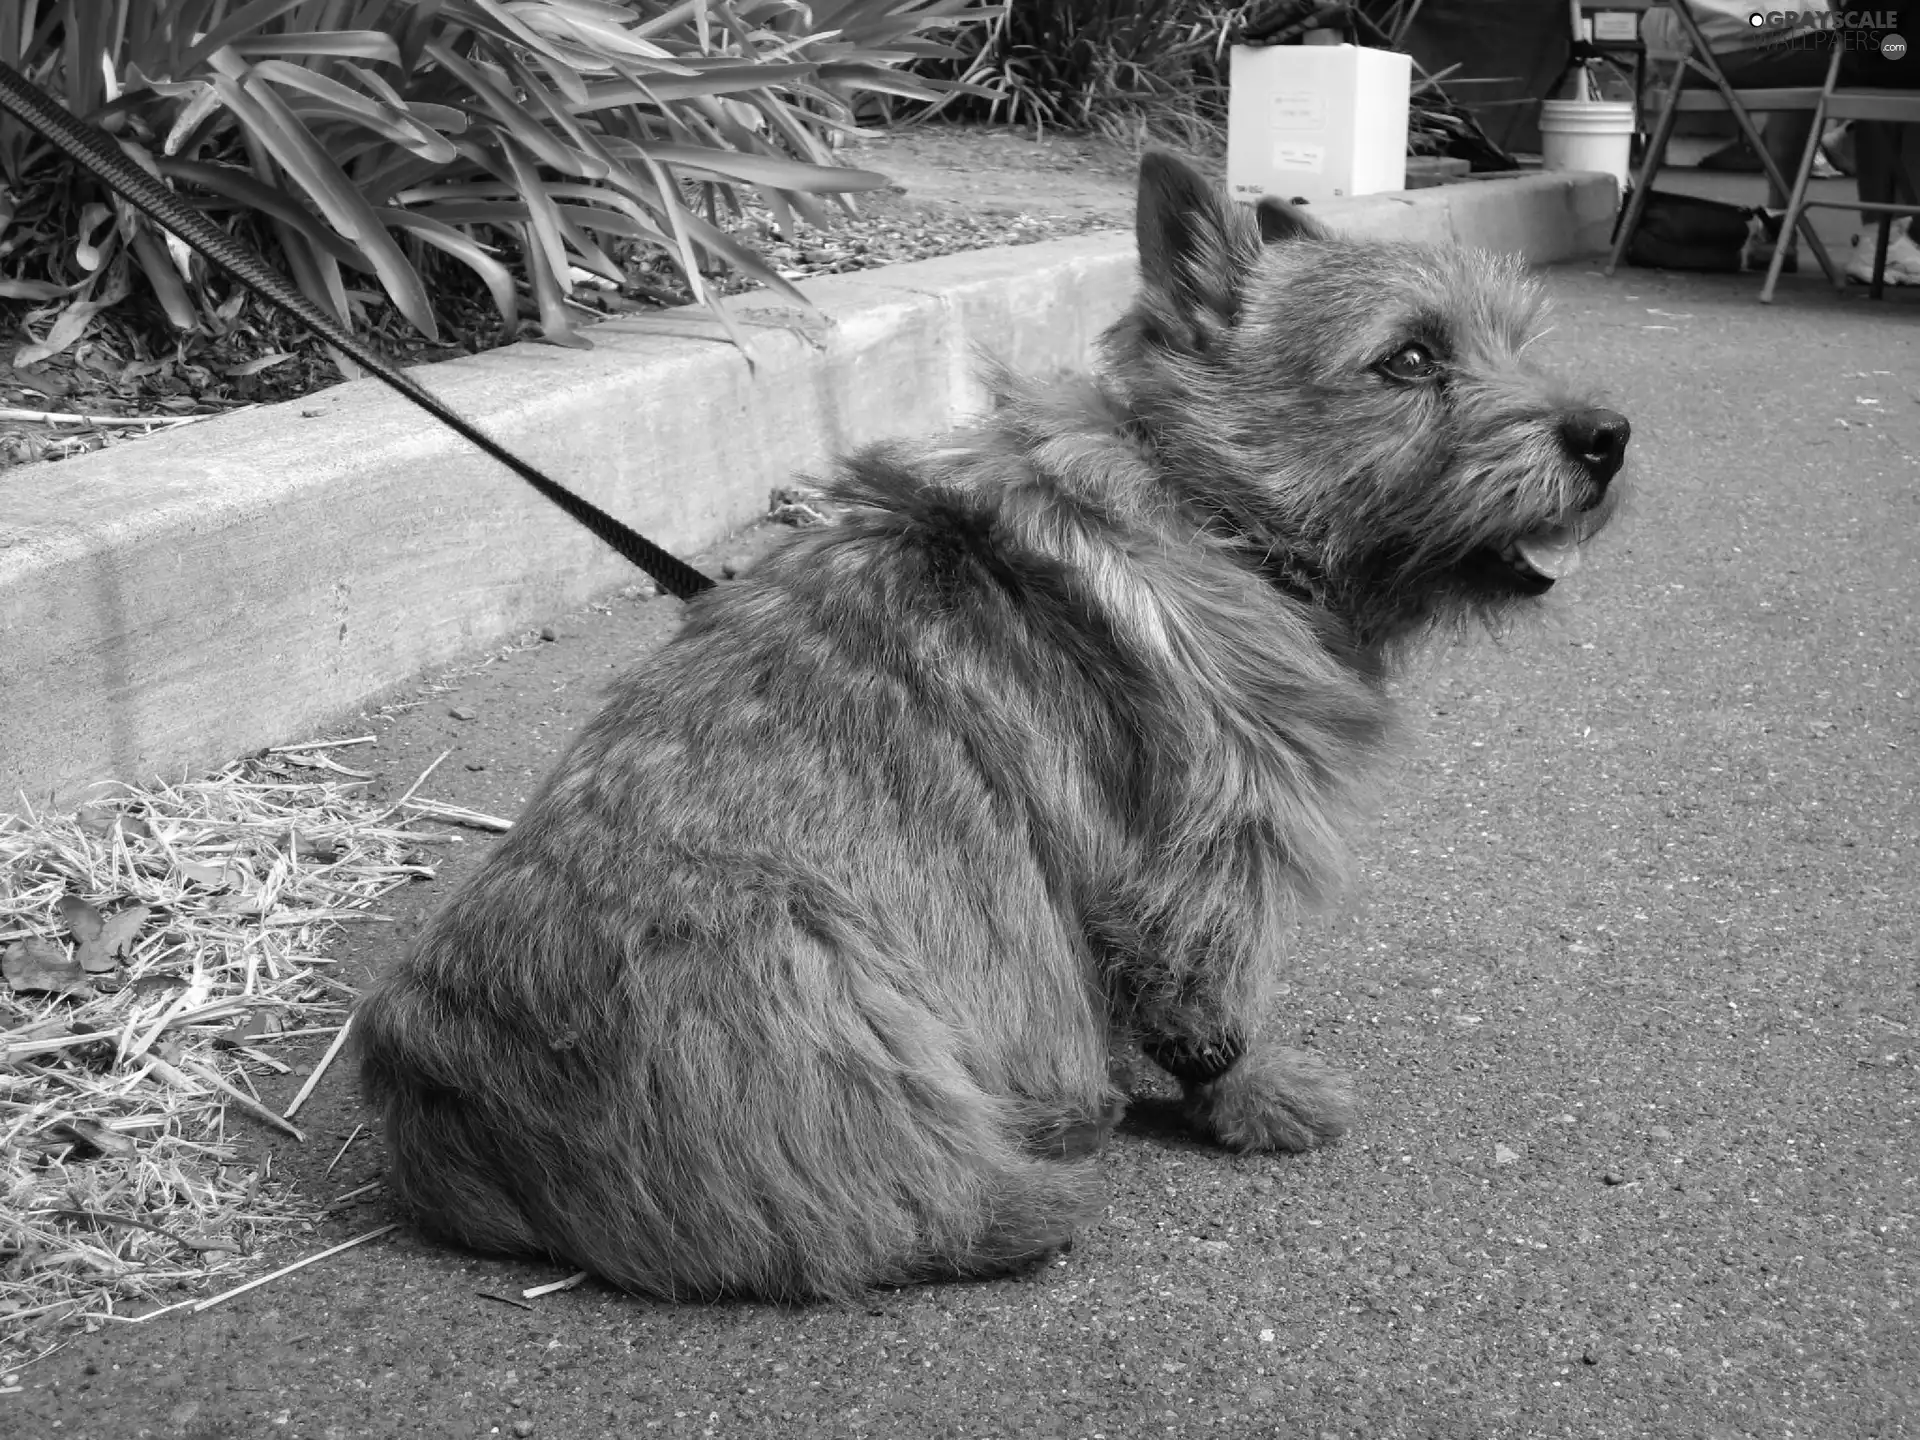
(227,876)
(96,1218)
(323,762)
(257,364)
(220,1244)
(36,966)
(92,1133)
(256,1026)
(80,918)
(324,851)
(116,937)
(30,290)
(97,819)
(72,323)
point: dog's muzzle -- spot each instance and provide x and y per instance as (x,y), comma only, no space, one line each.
(1597,439)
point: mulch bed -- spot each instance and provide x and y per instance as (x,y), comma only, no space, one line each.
(131,376)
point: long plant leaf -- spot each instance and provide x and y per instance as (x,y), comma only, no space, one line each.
(245,190)
(768,169)
(505,113)
(596,35)
(733,78)
(346,209)
(548,253)
(154,262)
(349,105)
(464,248)
(341,44)
(247,20)
(725,247)
(556,325)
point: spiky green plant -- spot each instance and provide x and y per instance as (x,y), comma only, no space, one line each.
(524,141)
(1105,64)
(1135,69)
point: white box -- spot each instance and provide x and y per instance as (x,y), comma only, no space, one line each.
(1616,27)
(1316,122)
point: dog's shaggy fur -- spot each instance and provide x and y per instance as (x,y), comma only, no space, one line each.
(802,972)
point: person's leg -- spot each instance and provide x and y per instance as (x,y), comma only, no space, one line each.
(1887,172)
(1876,151)
(1905,168)
(1766,67)
(1784,132)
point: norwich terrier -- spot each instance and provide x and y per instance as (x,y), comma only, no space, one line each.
(803,971)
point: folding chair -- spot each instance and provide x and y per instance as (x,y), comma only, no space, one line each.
(1739,103)
(1851,103)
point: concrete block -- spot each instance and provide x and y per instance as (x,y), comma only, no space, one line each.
(1542,218)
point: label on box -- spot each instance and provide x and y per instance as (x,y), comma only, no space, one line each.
(1617,26)
(1301,159)
(1298,112)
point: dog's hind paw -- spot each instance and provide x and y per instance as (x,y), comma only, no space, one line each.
(1074,1137)
(1274,1099)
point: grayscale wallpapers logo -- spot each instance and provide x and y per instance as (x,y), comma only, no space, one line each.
(1863,30)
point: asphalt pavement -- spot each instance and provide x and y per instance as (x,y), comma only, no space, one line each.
(1628,990)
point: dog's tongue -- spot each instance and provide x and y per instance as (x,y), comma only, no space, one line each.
(1554,552)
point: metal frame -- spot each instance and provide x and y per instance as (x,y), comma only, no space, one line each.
(1899,106)
(1738,103)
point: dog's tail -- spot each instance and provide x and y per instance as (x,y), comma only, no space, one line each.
(788,1149)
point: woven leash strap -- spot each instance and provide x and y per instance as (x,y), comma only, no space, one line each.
(89,146)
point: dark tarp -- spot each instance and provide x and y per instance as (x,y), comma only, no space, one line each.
(1523,44)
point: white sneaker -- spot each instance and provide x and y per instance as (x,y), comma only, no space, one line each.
(1903,257)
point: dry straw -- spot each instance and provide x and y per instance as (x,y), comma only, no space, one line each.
(130,1165)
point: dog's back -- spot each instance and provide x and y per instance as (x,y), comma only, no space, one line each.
(725,1012)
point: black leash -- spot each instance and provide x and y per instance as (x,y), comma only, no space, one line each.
(98,152)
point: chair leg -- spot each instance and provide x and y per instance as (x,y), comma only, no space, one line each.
(1796,219)
(1880,243)
(1649,168)
(1779,259)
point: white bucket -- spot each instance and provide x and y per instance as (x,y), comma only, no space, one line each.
(1588,135)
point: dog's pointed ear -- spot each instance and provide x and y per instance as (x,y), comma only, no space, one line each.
(1196,246)
(1280,222)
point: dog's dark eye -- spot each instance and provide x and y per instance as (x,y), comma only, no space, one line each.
(1409,363)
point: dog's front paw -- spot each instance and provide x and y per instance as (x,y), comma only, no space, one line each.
(1274,1099)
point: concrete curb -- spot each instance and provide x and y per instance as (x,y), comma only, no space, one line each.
(167,605)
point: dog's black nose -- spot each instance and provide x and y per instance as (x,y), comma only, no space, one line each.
(1597,439)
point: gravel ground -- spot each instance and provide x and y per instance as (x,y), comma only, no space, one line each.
(1629,990)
